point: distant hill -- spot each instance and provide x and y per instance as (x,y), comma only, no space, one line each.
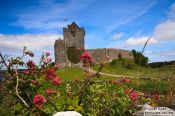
(165,64)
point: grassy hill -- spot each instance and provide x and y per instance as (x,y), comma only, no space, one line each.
(119,67)
(129,68)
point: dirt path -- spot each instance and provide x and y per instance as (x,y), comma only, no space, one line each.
(114,75)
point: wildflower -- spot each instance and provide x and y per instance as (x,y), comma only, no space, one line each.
(49,77)
(47,60)
(56,80)
(26,72)
(50,91)
(87,59)
(50,74)
(133,95)
(86,55)
(38,101)
(47,54)
(156,96)
(30,64)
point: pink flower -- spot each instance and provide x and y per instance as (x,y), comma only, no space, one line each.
(56,80)
(31,64)
(47,54)
(50,91)
(26,72)
(156,96)
(38,101)
(47,60)
(133,95)
(49,77)
(86,58)
(86,55)
(50,72)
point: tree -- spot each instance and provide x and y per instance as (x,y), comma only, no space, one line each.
(139,58)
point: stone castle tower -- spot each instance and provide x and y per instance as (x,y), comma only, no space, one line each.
(73,36)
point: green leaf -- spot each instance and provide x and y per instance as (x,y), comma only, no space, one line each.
(70,108)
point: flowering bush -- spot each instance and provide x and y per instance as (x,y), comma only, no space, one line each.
(40,91)
(86,58)
(38,101)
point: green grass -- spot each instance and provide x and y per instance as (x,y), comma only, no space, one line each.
(70,73)
(120,69)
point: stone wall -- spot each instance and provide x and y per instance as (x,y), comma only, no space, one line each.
(60,51)
(109,54)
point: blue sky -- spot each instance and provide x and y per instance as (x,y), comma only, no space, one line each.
(123,24)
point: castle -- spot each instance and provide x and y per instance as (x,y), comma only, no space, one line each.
(73,36)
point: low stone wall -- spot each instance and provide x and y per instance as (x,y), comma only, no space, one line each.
(109,54)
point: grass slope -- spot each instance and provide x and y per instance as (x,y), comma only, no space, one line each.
(120,67)
(71,73)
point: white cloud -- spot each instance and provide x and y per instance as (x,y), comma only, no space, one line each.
(165,31)
(117,36)
(133,41)
(37,42)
